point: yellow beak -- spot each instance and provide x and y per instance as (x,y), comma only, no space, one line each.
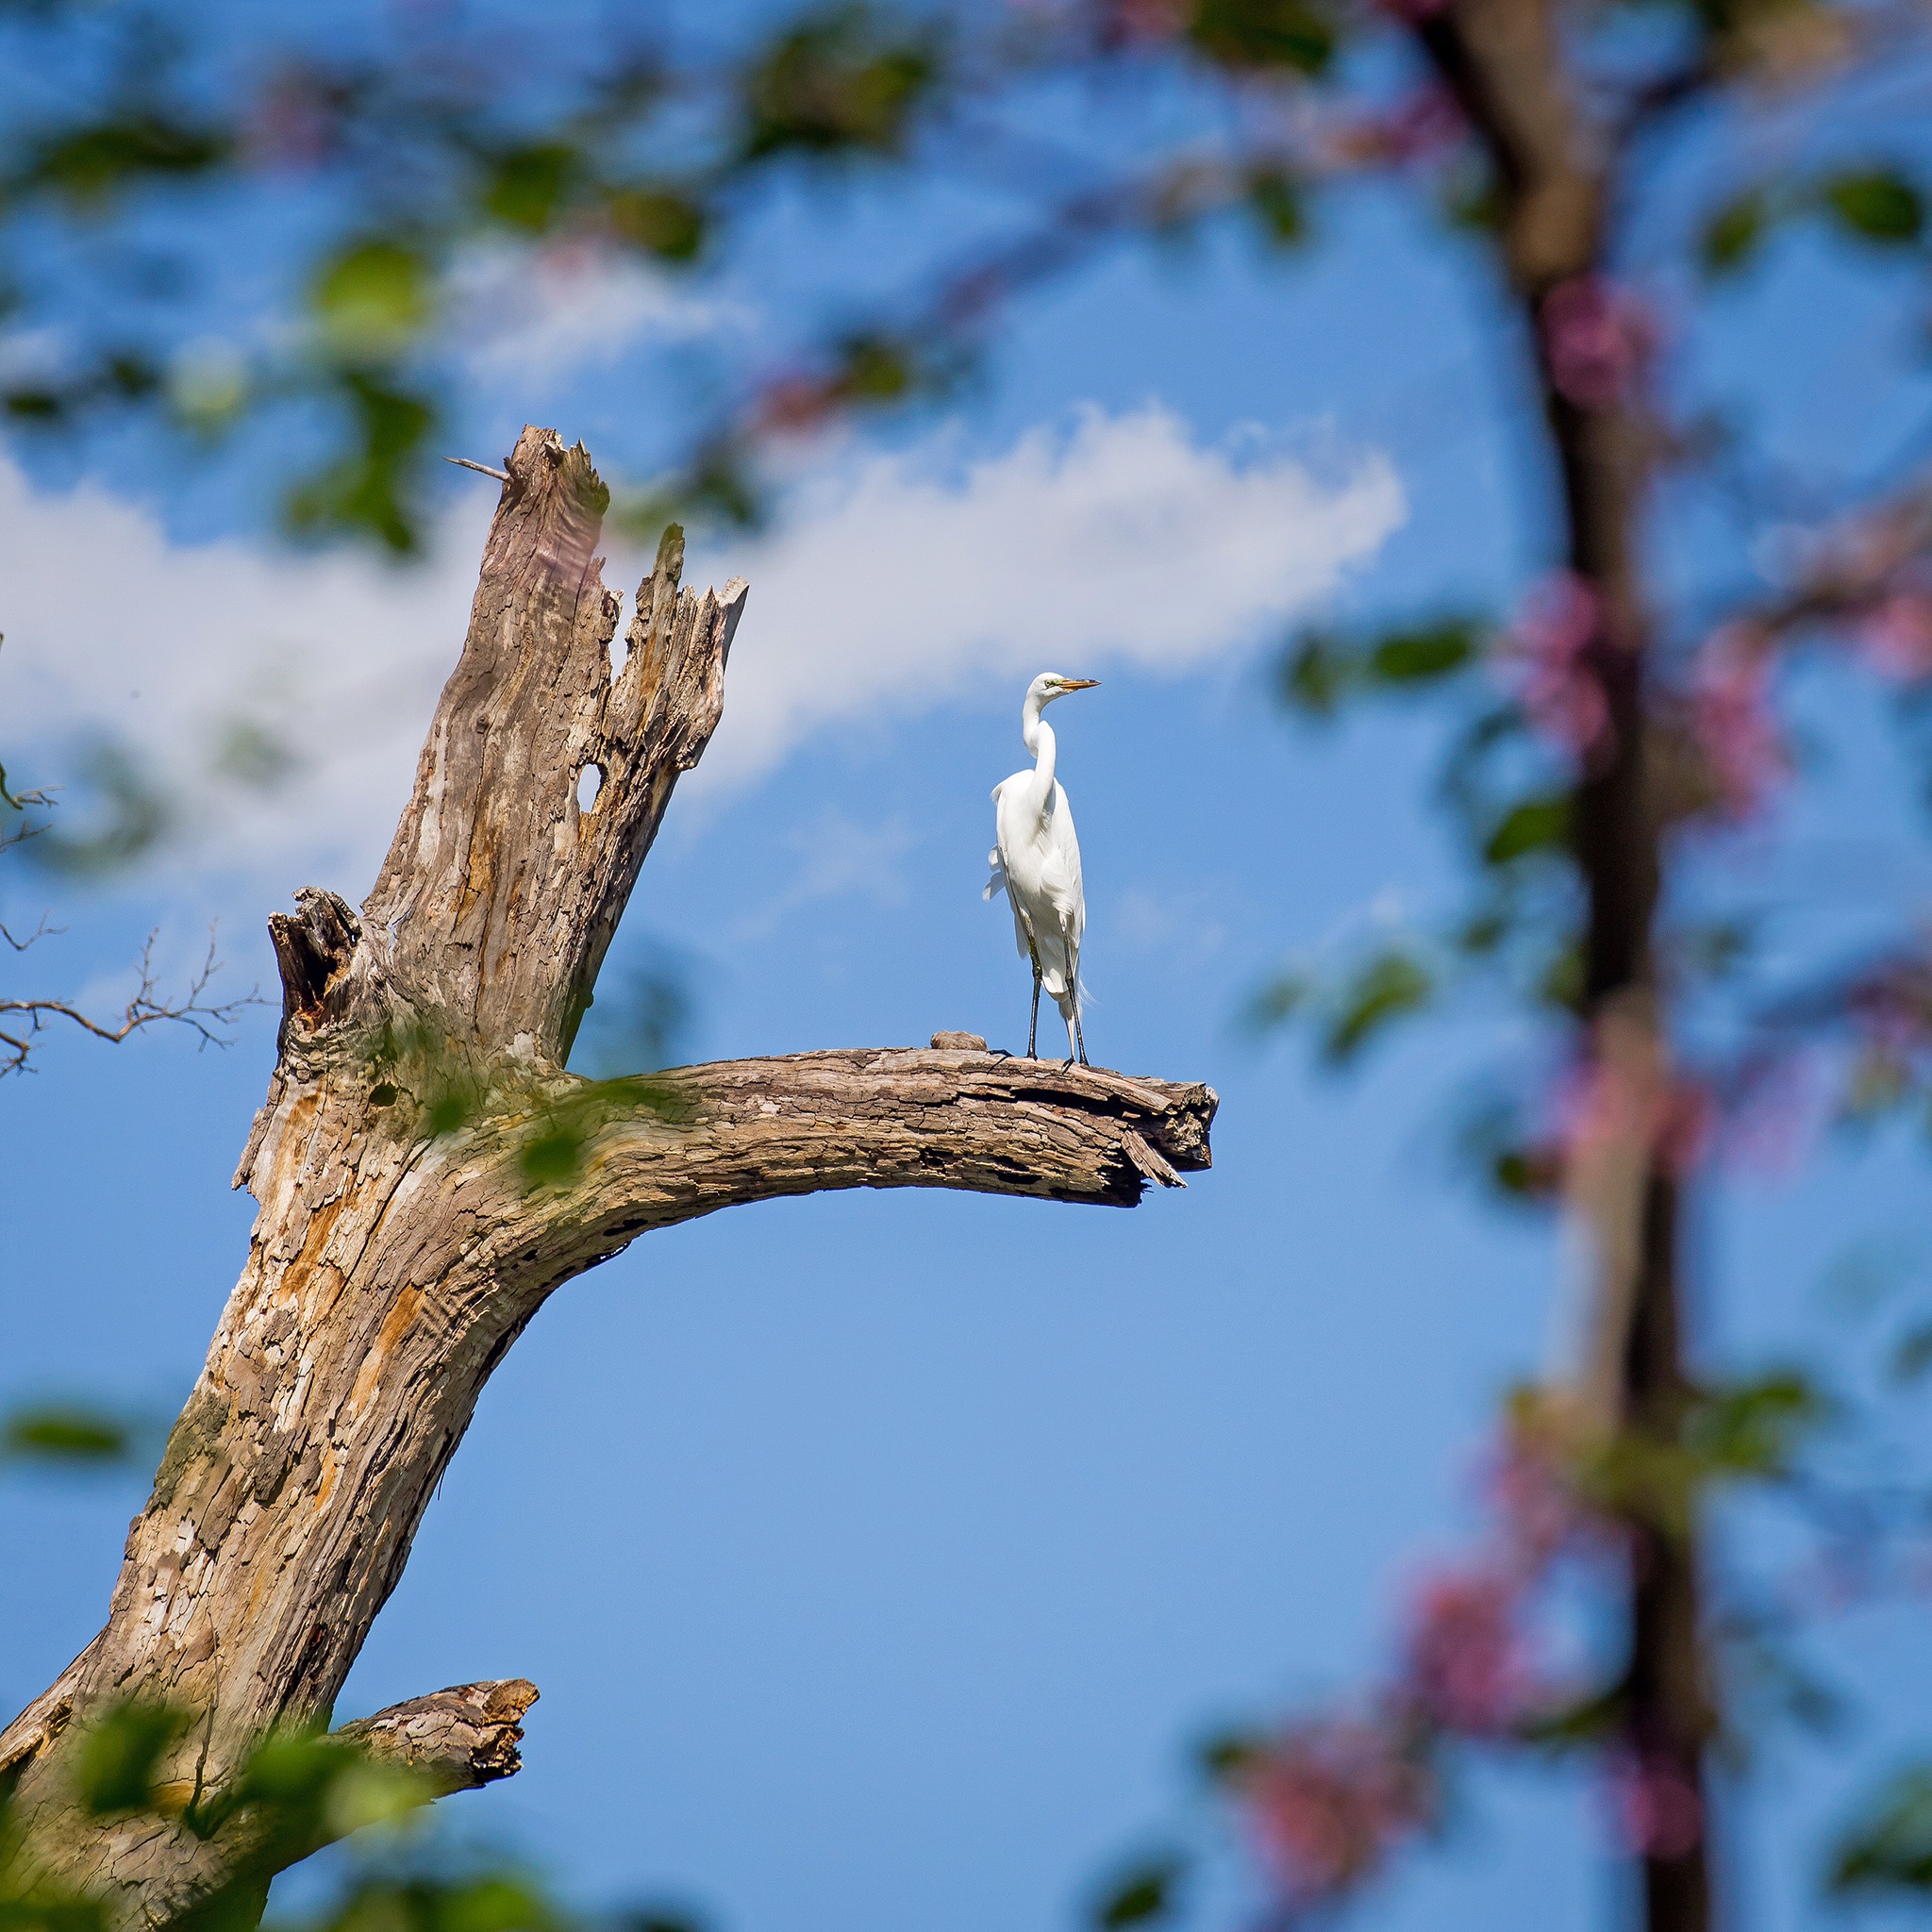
(1078,683)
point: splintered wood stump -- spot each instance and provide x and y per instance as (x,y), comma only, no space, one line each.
(428,1174)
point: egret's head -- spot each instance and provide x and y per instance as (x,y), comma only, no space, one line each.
(1050,685)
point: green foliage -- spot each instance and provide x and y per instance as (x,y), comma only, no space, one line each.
(119,1758)
(1582,1724)
(528,185)
(1223,1756)
(1890,1849)
(1742,1431)
(1421,657)
(840,81)
(1280,1000)
(1315,675)
(1320,670)
(88,164)
(487,1902)
(368,490)
(1530,827)
(1732,236)
(1143,1893)
(1275,200)
(1756,1428)
(1258,34)
(875,369)
(1389,986)
(659,220)
(372,297)
(130,813)
(1911,1354)
(1877,204)
(65,1433)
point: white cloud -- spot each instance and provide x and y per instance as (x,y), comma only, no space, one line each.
(1109,540)
(534,318)
(282,699)
(277,701)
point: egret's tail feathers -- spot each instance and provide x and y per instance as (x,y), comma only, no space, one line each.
(998,881)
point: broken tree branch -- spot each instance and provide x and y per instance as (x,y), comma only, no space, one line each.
(427,1175)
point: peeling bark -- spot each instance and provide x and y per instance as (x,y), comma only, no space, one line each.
(427,1175)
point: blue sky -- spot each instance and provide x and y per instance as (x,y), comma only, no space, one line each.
(879,1556)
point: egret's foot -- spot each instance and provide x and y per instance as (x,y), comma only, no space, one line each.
(1001,1052)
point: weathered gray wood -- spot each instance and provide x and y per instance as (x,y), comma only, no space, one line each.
(426,1175)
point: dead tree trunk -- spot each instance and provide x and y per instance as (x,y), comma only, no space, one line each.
(427,1175)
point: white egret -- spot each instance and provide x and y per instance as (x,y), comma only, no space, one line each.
(1035,862)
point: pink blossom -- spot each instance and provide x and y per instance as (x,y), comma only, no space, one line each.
(1141,22)
(1552,634)
(1774,1114)
(1896,636)
(1625,1099)
(1732,721)
(1657,1807)
(1466,1665)
(1416,128)
(291,121)
(1535,1508)
(1413,10)
(1596,339)
(1327,1800)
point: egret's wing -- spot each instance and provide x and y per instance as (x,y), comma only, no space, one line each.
(997,883)
(1063,868)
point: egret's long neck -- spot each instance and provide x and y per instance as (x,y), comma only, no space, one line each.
(1037,735)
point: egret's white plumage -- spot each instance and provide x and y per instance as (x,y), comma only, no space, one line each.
(1035,862)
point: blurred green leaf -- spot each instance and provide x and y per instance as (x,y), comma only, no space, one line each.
(1276,199)
(529,184)
(88,166)
(1418,657)
(1243,34)
(875,369)
(1877,204)
(1891,1848)
(553,1157)
(65,1433)
(120,1754)
(845,79)
(1756,1427)
(1911,1354)
(1473,199)
(1316,674)
(371,490)
(661,221)
(31,403)
(1224,1755)
(1280,1000)
(127,814)
(1532,824)
(1141,1895)
(1732,236)
(1386,989)
(1583,1724)
(373,297)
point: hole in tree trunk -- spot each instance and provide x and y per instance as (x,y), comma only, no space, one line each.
(589,782)
(619,643)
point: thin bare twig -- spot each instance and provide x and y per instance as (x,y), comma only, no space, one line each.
(209,1019)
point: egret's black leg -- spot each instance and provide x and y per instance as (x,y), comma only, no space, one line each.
(1079,1038)
(1033,1025)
